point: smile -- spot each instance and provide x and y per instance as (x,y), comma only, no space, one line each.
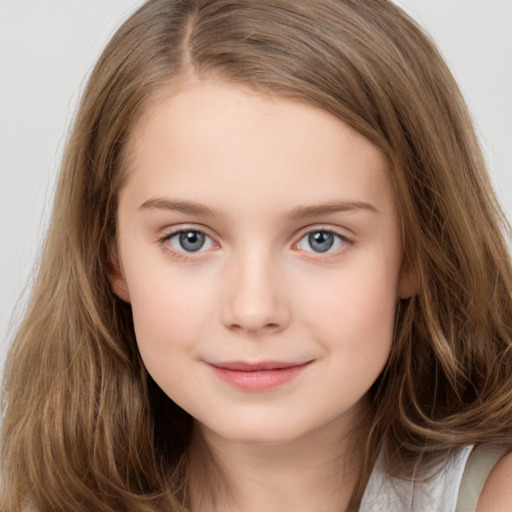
(259,376)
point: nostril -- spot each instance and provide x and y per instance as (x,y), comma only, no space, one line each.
(255,327)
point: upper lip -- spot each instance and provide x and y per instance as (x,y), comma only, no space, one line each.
(248,366)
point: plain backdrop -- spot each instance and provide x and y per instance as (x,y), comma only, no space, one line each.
(47,48)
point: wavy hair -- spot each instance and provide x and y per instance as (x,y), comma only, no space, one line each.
(85,427)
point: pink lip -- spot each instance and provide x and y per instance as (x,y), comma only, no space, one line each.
(259,376)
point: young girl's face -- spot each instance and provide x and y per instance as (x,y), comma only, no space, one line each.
(259,248)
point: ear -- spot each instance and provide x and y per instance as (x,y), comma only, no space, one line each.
(407,284)
(116,275)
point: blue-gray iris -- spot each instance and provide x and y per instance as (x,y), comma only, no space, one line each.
(192,240)
(321,241)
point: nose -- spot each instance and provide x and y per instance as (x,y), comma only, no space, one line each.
(256,299)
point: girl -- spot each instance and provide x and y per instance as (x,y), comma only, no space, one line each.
(274,277)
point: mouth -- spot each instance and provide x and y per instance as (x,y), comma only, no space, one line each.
(258,376)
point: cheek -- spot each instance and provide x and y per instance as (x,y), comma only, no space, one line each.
(167,313)
(353,314)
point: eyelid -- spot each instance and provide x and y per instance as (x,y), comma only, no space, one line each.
(183,228)
(337,232)
(327,228)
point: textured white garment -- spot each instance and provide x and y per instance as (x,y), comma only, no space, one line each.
(437,492)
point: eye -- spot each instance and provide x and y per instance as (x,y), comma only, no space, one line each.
(321,241)
(190,240)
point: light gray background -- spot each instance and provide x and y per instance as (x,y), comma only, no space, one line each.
(47,48)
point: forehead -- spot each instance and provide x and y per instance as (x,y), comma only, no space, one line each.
(224,142)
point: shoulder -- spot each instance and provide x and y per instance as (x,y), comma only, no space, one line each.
(496,495)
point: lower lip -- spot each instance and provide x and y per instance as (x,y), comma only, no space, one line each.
(259,380)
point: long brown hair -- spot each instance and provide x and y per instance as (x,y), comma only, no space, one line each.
(85,427)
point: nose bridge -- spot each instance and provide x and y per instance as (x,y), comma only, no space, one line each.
(256,296)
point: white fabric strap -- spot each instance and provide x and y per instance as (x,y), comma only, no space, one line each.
(480,464)
(435,490)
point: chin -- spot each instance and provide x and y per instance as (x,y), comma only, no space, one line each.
(258,432)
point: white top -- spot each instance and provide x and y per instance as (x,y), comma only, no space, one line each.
(436,492)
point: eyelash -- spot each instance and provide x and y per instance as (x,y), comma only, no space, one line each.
(185,255)
(342,241)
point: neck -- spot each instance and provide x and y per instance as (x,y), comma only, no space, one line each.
(315,472)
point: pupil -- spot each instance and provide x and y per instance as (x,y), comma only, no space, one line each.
(321,241)
(191,240)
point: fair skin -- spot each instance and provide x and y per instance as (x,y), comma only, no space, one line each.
(497,493)
(254,234)
(258,176)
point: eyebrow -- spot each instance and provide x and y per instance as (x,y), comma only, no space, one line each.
(188,207)
(304,212)
(300,212)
